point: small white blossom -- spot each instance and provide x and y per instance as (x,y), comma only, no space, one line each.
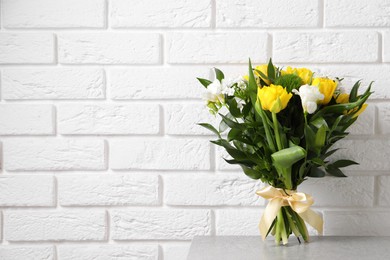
(240,102)
(310,95)
(214,93)
(227,87)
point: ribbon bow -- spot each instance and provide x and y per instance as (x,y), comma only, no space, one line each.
(300,202)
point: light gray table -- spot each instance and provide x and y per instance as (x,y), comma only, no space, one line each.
(253,248)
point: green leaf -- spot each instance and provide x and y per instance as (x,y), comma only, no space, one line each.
(219,74)
(271,70)
(251,173)
(204,82)
(231,123)
(211,128)
(233,133)
(343,163)
(330,153)
(234,110)
(287,157)
(354,92)
(335,171)
(320,137)
(319,122)
(318,161)
(252,85)
(316,172)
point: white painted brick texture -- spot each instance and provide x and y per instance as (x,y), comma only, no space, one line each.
(27,252)
(27,190)
(108,189)
(54,154)
(26,119)
(265,14)
(26,48)
(53,14)
(55,225)
(155,13)
(109,48)
(52,83)
(216,47)
(77,119)
(163,154)
(160,224)
(100,154)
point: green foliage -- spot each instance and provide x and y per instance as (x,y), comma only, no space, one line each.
(289,81)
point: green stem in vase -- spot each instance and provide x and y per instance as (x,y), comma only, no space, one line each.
(276,130)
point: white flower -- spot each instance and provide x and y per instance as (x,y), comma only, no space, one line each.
(310,95)
(227,87)
(214,92)
(240,102)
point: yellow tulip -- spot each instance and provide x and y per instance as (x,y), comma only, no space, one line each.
(344,98)
(327,88)
(305,74)
(263,69)
(273,98)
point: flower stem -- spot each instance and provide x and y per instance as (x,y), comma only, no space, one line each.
(267,132)
(276,130)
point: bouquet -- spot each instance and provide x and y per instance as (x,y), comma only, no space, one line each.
(279,125)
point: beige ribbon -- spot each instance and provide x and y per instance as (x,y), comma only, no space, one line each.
(300,202)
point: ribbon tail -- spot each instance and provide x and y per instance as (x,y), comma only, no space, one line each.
(270,213)
(313,219)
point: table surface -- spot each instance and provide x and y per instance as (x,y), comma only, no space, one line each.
(253,248)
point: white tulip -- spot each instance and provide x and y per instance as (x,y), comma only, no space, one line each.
(310,95)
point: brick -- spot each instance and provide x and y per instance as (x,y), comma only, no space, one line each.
(26,252)
(242,222)
(183,119)
(54,154)
(357,13)
(384,116)
(31,48)
(211,191)
(108,252)
(81,119)
(386,44)
(317,47)
(176,251)
(371,154)
(357,223)
(159,224)
(26,119)
(383,191)
(367,73)
(267,14)
(155,13)
(53,14)
(162,154)
(357,191)
(53,83)
(108,189)
(109,48)
(161,83)
(217,47)
(55,225)
(27,190)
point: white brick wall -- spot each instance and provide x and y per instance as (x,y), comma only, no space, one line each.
(98,109)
